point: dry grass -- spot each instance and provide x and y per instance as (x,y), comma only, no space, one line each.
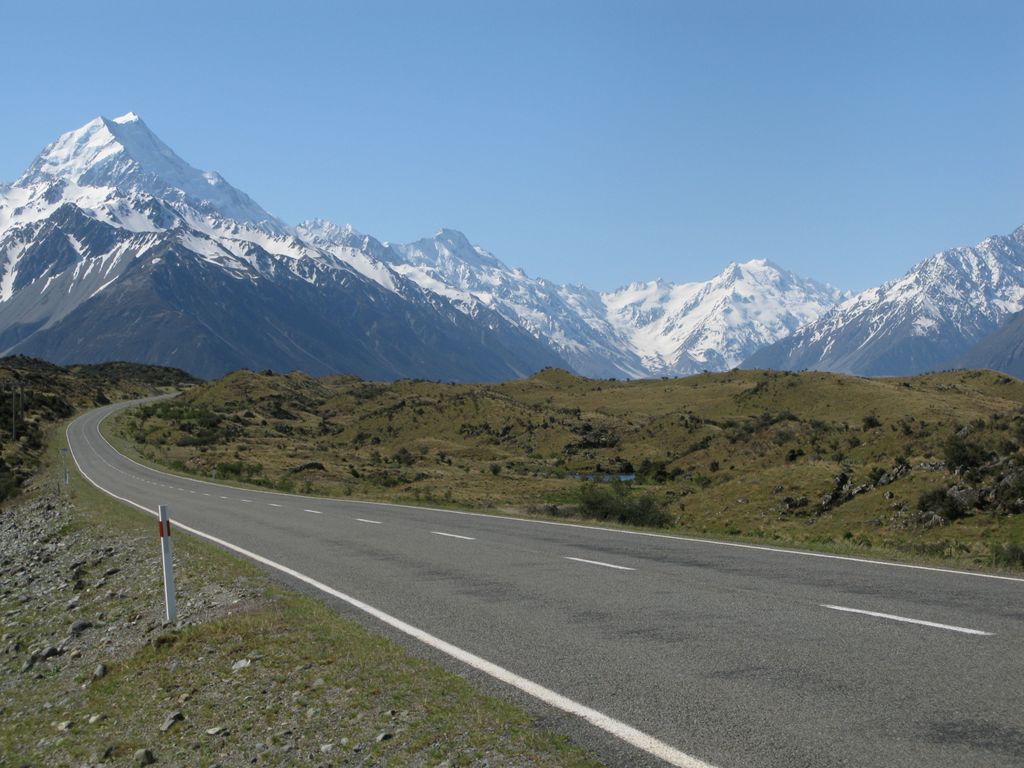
(721,452)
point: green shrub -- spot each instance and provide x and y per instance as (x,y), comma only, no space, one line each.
(240,470)
(1008,554)
(942,504)
(964,455)
(614,501)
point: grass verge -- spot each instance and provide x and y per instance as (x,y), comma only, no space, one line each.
(254,673)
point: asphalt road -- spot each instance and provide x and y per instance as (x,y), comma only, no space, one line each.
(714,653)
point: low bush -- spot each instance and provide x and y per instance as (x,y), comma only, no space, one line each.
(962,454)
(1008,554)
(614,501)
(942,504)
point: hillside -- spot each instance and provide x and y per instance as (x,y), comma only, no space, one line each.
(35,395)
(811,459)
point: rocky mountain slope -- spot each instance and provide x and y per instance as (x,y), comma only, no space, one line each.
(1001,350)
(642,330)
(113,247)
(924,321)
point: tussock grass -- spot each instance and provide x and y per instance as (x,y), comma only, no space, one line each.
(744,454)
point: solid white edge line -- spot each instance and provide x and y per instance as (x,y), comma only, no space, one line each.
(598,562)
(453,535)
(690,539)
(364,520)
(922,622)
(616,728)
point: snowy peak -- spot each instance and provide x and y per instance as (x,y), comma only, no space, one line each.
(325,233)
(684,328)
(919,322)
(124,154)
(449,251)
(105,150)
(107,207)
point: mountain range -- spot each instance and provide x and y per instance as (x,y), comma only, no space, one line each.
(113,247)
(939,315)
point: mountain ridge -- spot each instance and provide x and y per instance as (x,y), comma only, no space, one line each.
(922,321)
(102,257)
(104,212)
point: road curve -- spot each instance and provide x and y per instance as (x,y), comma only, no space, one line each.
(652,649)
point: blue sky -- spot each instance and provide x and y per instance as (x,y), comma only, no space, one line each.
(594,141)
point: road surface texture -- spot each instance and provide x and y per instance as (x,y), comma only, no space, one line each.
(653,650)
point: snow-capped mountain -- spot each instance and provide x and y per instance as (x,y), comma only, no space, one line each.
(111,246)
(569,319)
(714,325)
(123,156)
(923,321)
(645,329)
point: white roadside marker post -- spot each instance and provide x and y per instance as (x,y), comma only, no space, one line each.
(166,553)
(64,459)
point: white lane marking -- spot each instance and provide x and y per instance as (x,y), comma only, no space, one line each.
(598,562)
(364,520)
(964,630)
(273,505)
(314,511)
(246,501)
(453,535)
(688,539)
(205,493)
(225,498)
(617,728)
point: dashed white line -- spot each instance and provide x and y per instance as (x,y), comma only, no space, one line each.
(453,535)
(272,504)
(598,562)
(617,728)
(225,498)
(246,501)
(364,520)
(598,528)
(891,617)
(314,511)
